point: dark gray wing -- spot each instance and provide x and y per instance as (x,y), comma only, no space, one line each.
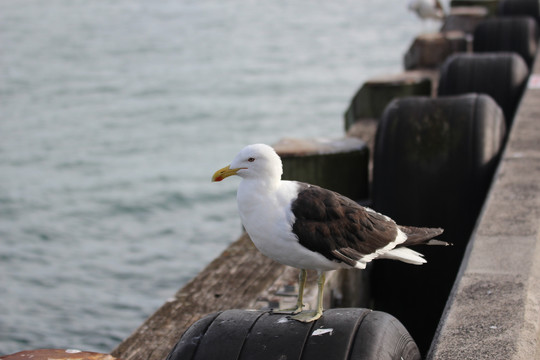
(337,227)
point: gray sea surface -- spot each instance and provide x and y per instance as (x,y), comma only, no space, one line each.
(115,114)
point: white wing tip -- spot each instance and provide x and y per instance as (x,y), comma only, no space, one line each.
(406,255)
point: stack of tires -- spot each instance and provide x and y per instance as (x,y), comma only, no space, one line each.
(434,159)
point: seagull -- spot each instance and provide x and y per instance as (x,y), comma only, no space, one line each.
(312,228)
(427,9)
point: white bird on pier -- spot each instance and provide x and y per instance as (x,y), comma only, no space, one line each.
(308,227)
(427,9)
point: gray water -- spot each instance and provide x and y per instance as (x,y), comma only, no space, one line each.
(113,117)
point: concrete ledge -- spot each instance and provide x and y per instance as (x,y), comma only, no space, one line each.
(339,164)
(429,51)
(373,96)
(464,19)
(489,5)
(494,309)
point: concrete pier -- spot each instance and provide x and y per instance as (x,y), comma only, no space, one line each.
(494,309)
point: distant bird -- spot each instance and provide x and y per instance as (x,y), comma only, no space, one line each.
(311,228)
(427,9)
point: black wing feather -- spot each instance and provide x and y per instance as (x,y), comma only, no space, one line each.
(337,227)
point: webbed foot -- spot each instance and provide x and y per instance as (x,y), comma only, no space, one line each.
(294,310)
(307,316)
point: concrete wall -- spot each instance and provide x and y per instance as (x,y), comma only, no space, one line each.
(494,308)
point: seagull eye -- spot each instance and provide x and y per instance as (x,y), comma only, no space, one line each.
(251,159)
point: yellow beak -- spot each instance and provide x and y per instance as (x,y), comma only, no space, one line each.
(223,173)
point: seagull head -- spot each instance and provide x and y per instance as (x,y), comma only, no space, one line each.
(257,161)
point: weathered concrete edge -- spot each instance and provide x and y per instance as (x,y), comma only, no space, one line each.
(494,308)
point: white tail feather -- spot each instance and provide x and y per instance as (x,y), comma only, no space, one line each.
(406,255)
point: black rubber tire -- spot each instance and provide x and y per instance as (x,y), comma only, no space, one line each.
(508,34)
(189,342)
(502,76)
(340,334)
(433,162)
(519,8)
